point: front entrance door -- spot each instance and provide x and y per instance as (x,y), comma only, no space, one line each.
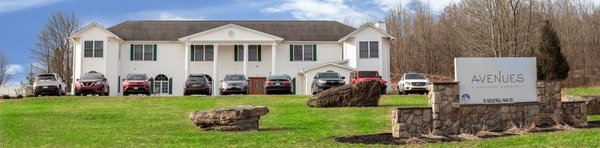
(256,85)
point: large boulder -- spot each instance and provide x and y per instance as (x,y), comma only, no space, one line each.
(242,118)
(366,93)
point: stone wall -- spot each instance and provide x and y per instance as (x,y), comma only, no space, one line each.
(449,117)
(411,122)
(575,113)
(550,102)
(592,103)
(497,117)
(445,103)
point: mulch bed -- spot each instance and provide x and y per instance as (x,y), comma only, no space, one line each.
(388,139)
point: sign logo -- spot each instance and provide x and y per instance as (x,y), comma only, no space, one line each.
(465,98)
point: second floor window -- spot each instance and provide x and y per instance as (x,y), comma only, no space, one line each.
(143,52)
(368,49)
(202,52)
(303,52)
(93,49)
(254,53)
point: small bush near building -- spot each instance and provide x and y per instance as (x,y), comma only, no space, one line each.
(28,96)
(19,96)
(5,97)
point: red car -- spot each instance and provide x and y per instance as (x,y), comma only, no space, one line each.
(136,84)
(365,75)
(92,83)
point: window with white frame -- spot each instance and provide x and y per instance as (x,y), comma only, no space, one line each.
(143,52)
(254,53)
(93,49)
(303,52)
(202,52)
(368,49)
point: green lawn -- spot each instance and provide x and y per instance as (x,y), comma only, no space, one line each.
(163,122)
(582,91)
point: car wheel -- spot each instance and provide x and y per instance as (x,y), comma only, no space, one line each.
(58,92)
(35,95)
(125,94)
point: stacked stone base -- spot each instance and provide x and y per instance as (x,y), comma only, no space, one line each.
(575,113)
(448,117)
(410,122)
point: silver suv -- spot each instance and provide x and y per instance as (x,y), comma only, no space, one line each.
(49,84)
(234,84)
(413,82)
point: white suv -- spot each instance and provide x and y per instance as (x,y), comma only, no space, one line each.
(413,82)
(49,84)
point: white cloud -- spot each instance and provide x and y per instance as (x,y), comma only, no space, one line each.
(14,69)
(166,15)
(15,5)
(318,10)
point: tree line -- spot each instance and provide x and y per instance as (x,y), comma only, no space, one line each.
(428,42)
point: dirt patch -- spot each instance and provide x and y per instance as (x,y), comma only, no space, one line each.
(388,139)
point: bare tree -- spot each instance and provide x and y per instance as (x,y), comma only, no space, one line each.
(4,66)
(53,50)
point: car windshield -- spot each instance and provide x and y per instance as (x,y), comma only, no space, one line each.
(91,77)
(235,78)
(279,78)
(137,77)
(45,78)
(414,76)
(368,74)
(329,75)
(196,78)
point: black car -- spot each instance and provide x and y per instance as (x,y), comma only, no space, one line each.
(198,84)
(326,80)
(278,84)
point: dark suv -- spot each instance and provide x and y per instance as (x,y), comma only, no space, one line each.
(198,84)
(136,84)
(325,80)
(92,83)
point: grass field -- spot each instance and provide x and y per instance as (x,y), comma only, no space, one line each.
(582,91)
(163,122)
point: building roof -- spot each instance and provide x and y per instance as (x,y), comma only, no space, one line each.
(289,30)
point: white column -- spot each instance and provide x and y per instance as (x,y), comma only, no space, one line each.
(216,82)
(187,60)
(246,60)
(273,59)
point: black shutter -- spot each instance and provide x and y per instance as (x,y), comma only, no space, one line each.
(235,53)
(291,52)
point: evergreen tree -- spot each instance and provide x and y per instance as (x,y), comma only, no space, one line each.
(551,63)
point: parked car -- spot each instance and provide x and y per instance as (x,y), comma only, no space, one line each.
(325,80)
(365,75)
(136,84)
(92,83)
(234,84)
(49,84)
(413,82)
(197,84)
(278,84)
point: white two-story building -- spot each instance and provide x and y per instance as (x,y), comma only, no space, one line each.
(175,49)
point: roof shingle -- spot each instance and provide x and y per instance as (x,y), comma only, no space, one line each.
(289,30)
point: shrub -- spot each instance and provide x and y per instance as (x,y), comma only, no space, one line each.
(29,96)
(5,97)
(551,63)
(19,96)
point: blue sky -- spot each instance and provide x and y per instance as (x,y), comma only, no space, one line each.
(23,19)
